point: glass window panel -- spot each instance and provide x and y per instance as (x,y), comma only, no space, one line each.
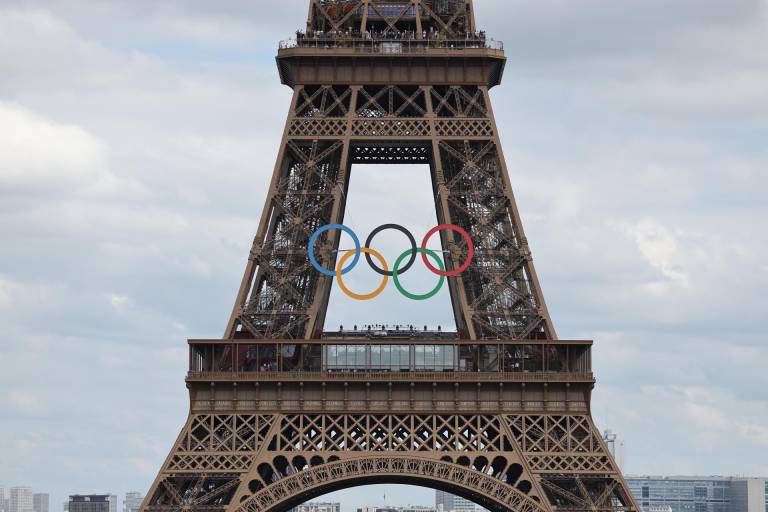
(419,357)
(425,357)
(449,357)
(444,360)
(291,357)
(467,358)
(198,359)
(439,358)
(311,358)
(489,360)
(358,359)
(222,355)
(532,358)
(247,358)
(267,357)
(401,357)
(386,356)
(513,358)
(556,358)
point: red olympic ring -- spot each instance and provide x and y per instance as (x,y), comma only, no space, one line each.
(470,253)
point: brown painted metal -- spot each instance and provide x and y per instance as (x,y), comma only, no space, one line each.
(507,421)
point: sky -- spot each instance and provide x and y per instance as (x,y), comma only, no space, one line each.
(136,144)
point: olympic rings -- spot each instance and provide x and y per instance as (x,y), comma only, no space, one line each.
(470,251)
(402,230)
(322,230)
(413,252)
(339,273)
(396,272)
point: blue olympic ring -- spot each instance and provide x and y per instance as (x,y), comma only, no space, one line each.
(313,239)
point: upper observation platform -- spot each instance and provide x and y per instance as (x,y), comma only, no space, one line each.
(420,42)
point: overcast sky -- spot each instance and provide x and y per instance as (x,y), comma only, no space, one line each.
(137,139)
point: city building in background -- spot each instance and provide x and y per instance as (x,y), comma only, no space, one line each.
(112,503)
(21,499)
(65,506)
(90,503)
(615,447)
(407,508)
(132,501)
(749,494)
(699,494)
(41,502)
(334,506)
(447,502)
(3,507)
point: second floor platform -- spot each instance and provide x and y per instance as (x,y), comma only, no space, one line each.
(391,360)
(390,55)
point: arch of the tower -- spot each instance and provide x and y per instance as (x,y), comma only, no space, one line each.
(254,463)
(484,488)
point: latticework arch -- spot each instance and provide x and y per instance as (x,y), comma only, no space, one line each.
(481,488)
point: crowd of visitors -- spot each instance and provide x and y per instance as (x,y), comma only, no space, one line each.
(432,37)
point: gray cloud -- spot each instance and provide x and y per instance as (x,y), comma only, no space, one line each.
(635,137)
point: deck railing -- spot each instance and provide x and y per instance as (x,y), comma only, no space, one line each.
(392,46)
(385,376)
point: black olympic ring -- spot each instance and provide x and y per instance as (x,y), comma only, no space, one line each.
(396,227)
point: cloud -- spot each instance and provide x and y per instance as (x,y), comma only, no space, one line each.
(143,139)
(705,418)
(119,302)
(41,154)
(661,250)
(715,415)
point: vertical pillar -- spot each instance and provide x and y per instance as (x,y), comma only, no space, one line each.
(246,283)
(518,223)
(461,309)
(319,308)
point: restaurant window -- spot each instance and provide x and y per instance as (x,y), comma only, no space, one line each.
(390,358)
(345,357)
(436,358)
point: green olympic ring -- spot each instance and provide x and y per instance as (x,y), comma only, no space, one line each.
(395,278)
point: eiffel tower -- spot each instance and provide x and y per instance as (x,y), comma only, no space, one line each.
(281,410)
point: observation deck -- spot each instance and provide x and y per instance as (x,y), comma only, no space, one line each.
(408,59)
(389,373)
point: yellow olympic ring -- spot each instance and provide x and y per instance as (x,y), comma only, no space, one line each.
(347,291)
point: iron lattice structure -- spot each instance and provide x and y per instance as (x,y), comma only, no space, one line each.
(277,416)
